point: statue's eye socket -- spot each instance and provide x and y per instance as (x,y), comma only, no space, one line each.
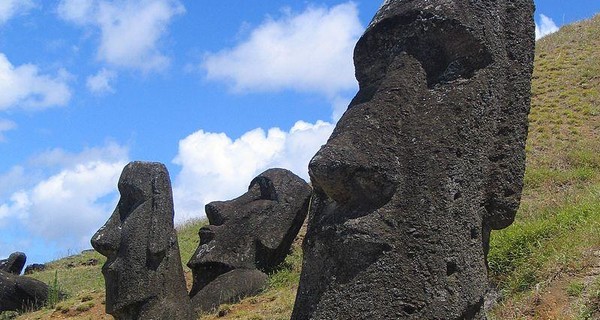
(263,188)
(131,198)
(446,49)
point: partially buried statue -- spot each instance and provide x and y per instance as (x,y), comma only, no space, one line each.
(19,293)
(143,273)
(247,237)
(14,263)
(426,161)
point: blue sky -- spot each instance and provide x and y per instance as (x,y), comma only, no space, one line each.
(219,91)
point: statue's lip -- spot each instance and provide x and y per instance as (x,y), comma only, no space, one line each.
(109,270)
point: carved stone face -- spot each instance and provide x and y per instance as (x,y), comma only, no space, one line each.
(140,243)
(251,232)
(229,242)
(439,87)
(428,158)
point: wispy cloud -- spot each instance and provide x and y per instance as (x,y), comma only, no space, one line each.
(100,83)
(546,27)
(130,30)
(6,125)
(310,51)
(24,86)
(216,167)
(10,8)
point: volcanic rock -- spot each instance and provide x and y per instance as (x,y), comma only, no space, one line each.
(18,293)
(143,272)
(247,237)
(14,264)
(426,161)
(34,267)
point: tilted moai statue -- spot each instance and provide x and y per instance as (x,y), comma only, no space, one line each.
(14,263)
(20,293)
(247,237)
(426,161)
(143,274)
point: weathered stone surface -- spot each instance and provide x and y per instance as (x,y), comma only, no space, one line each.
(14,264)
(428,158)
(34,267)
(143,272)
(228,287)
(19,293)
(250,233)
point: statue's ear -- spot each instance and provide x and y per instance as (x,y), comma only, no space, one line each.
(161,220)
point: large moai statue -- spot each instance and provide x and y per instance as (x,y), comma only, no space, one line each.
(426,161)
(143,273)
(248,237)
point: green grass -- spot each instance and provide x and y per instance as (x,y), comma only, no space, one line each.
(575,288)
(187,235)
(72,275)
(533,250)
(558,224)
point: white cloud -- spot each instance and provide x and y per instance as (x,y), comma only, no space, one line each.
(130,31)
(14,179)
(9,8)
(6,125)
(68,206)
(77,11)
(546,27)
(24,86)
(309,52)
(215,167)
(110,152)
(100,83)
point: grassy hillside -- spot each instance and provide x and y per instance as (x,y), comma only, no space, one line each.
(545,266)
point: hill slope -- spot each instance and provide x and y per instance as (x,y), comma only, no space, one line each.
(546,263)
(545,266)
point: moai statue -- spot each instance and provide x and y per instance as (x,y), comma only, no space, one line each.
(14,263)
(19,293)
(426,161)
(143,274)
(247,237)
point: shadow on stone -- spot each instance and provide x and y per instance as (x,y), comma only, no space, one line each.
(426,161)
(247,238)
(14,264)
(143,272)
(19,293)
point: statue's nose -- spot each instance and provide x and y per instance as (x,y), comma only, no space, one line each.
(107,238)
(352,181)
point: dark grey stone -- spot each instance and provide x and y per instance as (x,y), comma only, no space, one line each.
(14,264)
(229,287)
(426,161)
(19,293)
(143,273)
(250,235)
(35,267)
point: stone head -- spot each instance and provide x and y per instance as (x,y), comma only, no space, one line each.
(253,231)
(426,161)
(14,264)
(443,84)
(140,242)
